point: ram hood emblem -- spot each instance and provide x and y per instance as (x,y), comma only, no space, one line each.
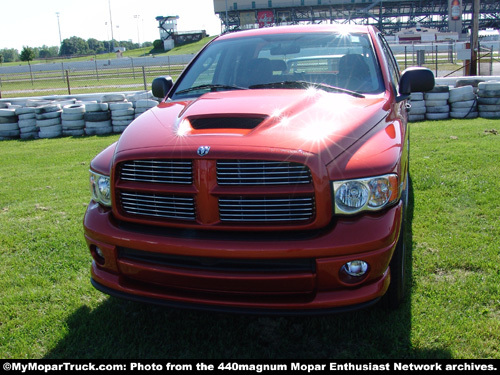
(203,150)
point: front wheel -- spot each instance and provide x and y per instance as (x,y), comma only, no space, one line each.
(399,262)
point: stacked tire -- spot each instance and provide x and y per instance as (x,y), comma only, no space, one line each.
(48,120)
(73,122)
(436,103)
(122,114)
(9,128)
(463,102)
(144,105)
(97,119)
(417,107)
(27,122)
(489,100)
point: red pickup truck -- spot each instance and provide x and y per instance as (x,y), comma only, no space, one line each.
(272,178)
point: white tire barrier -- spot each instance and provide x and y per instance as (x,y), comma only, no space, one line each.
(98,128)
(9,128)
(48,120)
(73,123)
(489,99)
(463,103)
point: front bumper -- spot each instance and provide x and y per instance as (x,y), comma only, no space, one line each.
(193,271)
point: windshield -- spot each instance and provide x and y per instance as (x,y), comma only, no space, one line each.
(329,61)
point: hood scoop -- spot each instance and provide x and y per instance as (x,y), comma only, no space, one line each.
(227,122)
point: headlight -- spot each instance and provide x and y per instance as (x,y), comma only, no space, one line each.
(366,194)
(100,187)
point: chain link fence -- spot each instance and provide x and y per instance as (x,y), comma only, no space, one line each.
(136,74)
(448,59)
(91,76)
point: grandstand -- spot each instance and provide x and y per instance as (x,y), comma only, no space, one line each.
(390,16)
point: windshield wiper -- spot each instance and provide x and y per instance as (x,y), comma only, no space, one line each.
(211,88)
(305,84)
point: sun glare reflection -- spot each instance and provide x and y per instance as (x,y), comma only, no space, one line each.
(184,128)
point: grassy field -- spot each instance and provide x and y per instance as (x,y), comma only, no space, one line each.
(48,308)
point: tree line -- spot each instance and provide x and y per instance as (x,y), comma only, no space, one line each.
(69,47)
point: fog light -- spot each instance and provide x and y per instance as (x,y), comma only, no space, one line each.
(355,268)
(99,255)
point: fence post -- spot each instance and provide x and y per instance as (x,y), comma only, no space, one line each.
(67,80)
(96,71)
(436,60)
(144,78)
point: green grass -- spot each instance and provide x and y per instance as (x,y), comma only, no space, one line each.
(48,308)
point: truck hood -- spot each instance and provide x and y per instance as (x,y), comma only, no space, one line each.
(256,121)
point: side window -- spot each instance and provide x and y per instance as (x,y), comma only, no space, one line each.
(393,64)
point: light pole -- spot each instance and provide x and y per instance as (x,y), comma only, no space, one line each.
(111,25)
(59,26)
(137,16)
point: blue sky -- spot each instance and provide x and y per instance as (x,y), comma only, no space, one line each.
(34,23)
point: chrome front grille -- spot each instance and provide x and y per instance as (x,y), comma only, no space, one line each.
(266,210)
(158,171)
(156,205)
(251,172)
(231,192)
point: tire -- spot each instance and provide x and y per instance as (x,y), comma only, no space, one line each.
(490,115)
(72,116)
(99,131)
(463,114)
(97,116)
(74,108)
(440,89)
(461,94)
(437,116)
(438,109)
(416,118)
(113,98)
(119,106)
(73,124)
(96,107)
(6,112)
(400,259)
(9,126)
(417,111)
(489,86)
(122,112)
(416,96)
(48,108)
(489,108)
(25,111)
(97,125)
(436,103)
(48,115)
(488,101)
(27,116)
(49,122)
(437,96)
(465,104)
(150,103)
(489,93)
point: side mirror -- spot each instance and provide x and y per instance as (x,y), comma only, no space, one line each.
(161,86)
(415,80)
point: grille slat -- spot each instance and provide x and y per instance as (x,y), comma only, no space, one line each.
(248,172)
(172,207)
(158,171)
(265,210)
